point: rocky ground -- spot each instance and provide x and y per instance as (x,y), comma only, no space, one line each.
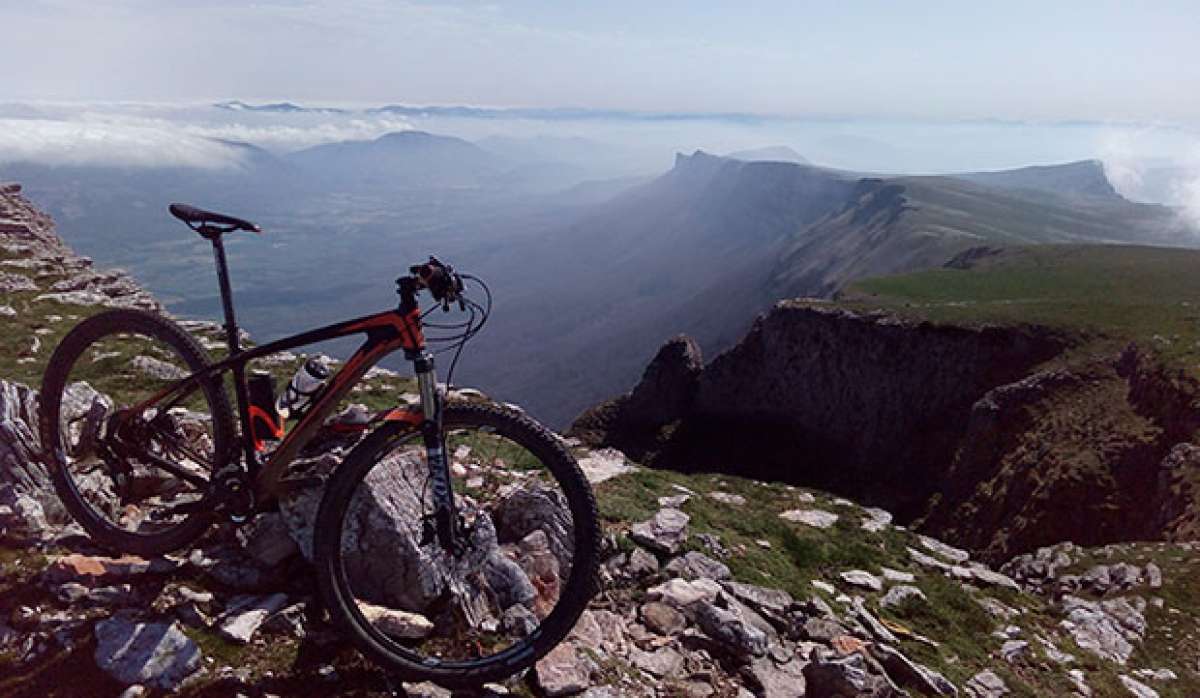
(711,585)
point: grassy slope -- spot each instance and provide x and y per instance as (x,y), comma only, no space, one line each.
(1108,294)
(797,554)
(953,618)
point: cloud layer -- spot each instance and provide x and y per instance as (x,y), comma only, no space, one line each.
(90,138)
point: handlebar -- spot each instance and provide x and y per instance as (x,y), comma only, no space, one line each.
(443,283)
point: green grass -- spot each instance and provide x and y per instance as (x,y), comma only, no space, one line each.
(952,616)
(797,553)
(1106,294)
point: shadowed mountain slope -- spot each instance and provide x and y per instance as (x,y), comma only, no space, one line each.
(713,242)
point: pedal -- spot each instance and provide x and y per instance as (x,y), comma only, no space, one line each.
(186,508)
(232,495)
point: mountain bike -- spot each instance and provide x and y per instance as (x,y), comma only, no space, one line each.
(456,541)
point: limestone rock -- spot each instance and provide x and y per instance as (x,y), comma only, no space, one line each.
(662,618)
(563,671)
(693,565)
(731,629)
(155,654)
(665,531)
(906,672)
(246,613)
(862,578)
(1107,628)
(985,684)
(817,518)
(901,594)
(396,623)
(1137,688)
(851,675)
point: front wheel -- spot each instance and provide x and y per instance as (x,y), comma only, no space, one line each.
(512,592)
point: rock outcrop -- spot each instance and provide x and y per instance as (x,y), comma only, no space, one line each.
(634,422)
(819,395)
(39,265)
(985,436)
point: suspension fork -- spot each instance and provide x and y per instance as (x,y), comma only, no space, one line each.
(445,512)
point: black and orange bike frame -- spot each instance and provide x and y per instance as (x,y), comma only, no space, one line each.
(386,332)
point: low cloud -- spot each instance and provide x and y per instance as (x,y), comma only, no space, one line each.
(1158,165)
(81,143)
(91,138)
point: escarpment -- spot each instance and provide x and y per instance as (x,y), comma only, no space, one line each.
(962,431)
(867,405)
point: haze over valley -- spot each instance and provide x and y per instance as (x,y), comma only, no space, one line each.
(602,234)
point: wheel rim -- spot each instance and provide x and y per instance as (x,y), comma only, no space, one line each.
(139,472)
(485,606)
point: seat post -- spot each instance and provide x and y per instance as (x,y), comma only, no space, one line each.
(231,334)
(231,328)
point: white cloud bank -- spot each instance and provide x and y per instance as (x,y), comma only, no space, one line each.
(1156,165)
(92,138)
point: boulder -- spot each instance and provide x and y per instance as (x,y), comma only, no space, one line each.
(665,532)
(518,621)
(985,684)
(1137,688)
(901,594)
(563,671)
(22,518)
(695,565)
(948,552)
(851,675)
(267,539)
(817,518)
(641,564)
(736,500)
(604,464)
(381,544)
(1107,628)
(153,654)
(660,663)
(536,507)
(731,629)
(773,604)
(246,613)
(662,618)
(508,581)
(863,579)
(906,672)
(20,447)
(682,593)
(396,623)
(776,679)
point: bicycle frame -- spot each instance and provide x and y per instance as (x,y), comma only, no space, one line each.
(386,332)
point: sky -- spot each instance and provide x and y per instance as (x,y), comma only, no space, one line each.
(913,87)
(1048,61)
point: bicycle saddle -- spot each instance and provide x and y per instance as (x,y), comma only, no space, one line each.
(196,217)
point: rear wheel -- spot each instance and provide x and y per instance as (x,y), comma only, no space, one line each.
(132,477)
(527,570)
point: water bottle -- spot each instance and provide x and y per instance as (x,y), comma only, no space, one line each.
(304,386)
